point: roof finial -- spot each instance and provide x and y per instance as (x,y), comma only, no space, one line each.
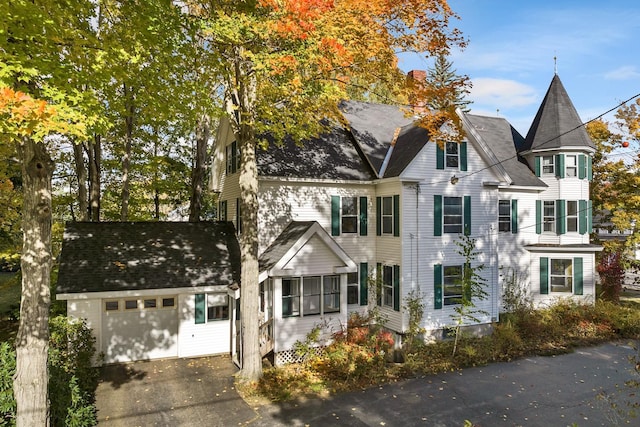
(555,65)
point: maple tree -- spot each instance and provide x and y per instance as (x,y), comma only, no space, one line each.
(286,64)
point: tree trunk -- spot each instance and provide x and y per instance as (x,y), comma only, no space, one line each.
(81,175)
(30,383)
(94,153)
(126,157)
(198,171)
(240,108)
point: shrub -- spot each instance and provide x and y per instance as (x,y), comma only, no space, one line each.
(72,379)
(7,369)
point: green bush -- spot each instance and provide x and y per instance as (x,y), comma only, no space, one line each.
(7,369)
(72,379)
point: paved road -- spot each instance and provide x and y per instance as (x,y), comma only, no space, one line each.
(540,391)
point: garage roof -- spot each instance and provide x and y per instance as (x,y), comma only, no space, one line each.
(126,256)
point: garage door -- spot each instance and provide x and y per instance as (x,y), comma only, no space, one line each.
(139,328)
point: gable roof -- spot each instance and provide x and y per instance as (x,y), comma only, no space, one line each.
(557,123)
(331,155)
(129,256)
(410,141)
(291,240)
(502,139)
(373,127)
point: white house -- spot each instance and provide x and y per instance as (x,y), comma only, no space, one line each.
(372,198)
(393,204)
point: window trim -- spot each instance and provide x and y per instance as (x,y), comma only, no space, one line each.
(504,219)
(452,154)
(548,169)
(568,167)
(351,284)
(452,215)
(548,219)
(567,276)
(354,216)
(452,299)
(300,280)
(575,216)
(232,167)
(224,308)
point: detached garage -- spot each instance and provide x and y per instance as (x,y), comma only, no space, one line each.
(152,290)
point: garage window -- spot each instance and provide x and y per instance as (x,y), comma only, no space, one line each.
(150,303)
(168,302)
(111,306)
(131,304)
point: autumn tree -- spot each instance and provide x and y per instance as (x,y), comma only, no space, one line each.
(286,64)
(42,48)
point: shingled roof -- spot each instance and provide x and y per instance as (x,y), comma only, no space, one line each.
(503,140)
(128,256)
(557,123)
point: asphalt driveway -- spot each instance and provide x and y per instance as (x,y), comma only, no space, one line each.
(539,391)
(171,392)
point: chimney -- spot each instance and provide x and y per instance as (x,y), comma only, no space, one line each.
(415,99)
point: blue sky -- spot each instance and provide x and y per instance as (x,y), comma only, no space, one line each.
(512,44)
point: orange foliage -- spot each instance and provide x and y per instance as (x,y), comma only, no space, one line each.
(21,115)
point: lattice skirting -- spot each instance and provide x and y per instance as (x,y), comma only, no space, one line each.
(290,356)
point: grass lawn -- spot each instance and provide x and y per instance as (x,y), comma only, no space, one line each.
(9,297)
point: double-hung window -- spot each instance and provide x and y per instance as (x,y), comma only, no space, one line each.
(353,288)
(387,215)
(572,216)
(561,275)
(549,216)
(387,286)
(233,158)
(290,296)
(331,294)
(571,166)
(349,215)
(452,284)
(504,215)
(452,159)
(548,165)
(452,214)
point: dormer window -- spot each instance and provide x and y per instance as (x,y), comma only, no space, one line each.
(548,165)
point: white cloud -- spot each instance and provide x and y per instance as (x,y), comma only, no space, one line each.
(626,72)
(502,93)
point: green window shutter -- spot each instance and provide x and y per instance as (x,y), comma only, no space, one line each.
(396,287)
(437,286)
(578,279)
(561,216)
(335,215)
(437,215)
(538,166)
(439,157)
(560,165)
(514,216)
(463,156)
(583,221)
(234,157)
(200,308)
(467,286)
(378,216)
(396,215)
(364,222)
(379,284)
(466,208)
(538,216)
(582,168)
(364,283)
(590,216)
(544,275)
(589,168)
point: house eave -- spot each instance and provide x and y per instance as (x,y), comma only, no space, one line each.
(140,293)
(314,180)
(586,248)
